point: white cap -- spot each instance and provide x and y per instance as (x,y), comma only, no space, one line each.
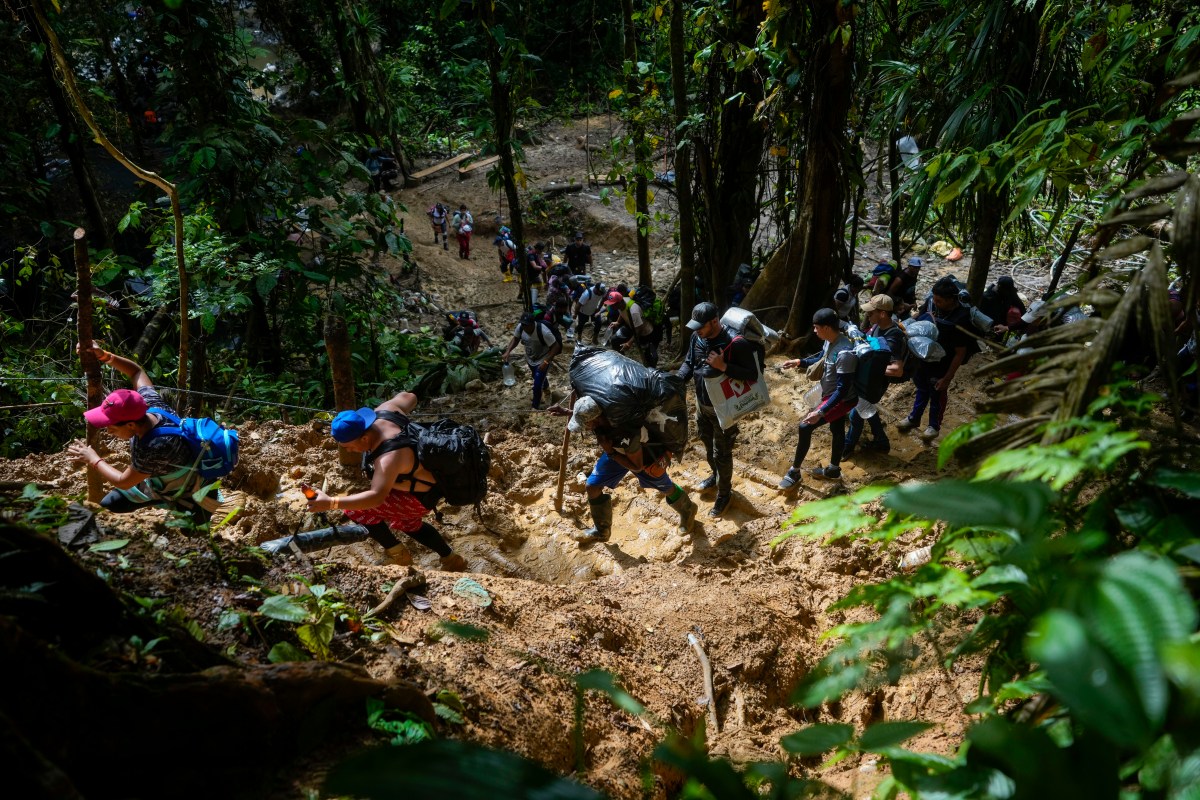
(586,410)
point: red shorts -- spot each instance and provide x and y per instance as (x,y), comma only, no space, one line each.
(838,411)
(402,511)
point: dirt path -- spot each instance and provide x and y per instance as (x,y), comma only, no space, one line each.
(559,609)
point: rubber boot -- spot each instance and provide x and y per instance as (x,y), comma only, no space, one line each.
(601,509)
(687,512)
(322,537)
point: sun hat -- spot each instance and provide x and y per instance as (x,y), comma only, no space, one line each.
(586,410)
(349,425)
(123,405)
(880,302)
(702,314)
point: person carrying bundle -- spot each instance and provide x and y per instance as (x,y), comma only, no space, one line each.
(639,416)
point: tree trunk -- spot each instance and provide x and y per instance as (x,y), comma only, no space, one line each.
(896,204)
(337,347)
(87,357)
(804,270)
(729,162)
(71,140)
(144,349)
(683,173)
(503,117)
(637,135)
(989,212)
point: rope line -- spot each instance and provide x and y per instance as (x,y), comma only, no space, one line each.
(230,398)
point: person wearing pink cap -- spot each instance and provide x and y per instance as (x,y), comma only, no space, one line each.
(630,326)
(162,472)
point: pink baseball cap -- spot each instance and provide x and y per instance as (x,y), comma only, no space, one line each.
(123,405)
(613,297)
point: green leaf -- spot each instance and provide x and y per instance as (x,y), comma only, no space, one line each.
(317,636)
(1184,482)
(1000,577)
(1097,690)
(447,713)
(284,608)
(884,735)
(446,768)
(111,544)
(987,504)
(817,739)
(1138,605)
(602,681)
(286,651)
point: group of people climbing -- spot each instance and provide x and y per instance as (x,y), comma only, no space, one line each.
(866,347)
(462,222)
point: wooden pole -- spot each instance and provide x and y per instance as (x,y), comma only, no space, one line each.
(562,469)
(87,357)
(337,346)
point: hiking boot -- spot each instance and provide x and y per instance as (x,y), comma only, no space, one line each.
(832,472)
(507,278)
(929,433)
(790,479)
(396,555)
(882,446)
(708,483)
(719,505)
(601,529)
(907,425)
(686,509)
(454,563)
(445,245)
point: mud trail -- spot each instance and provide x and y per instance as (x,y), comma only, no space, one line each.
(559,609)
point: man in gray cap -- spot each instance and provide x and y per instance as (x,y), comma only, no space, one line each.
(713,352)
(625,451)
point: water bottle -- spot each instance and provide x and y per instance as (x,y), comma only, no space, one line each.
(915,558)
(509,374)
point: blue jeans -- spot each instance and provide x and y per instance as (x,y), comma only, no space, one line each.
(608,472)
(856,428)
(927,395)
(539,382)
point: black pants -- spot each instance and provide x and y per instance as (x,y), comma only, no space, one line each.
(426,535)
(718,447)
(118,503)
(837,429)
(857,423)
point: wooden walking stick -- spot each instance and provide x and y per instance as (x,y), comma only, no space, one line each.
(562,469)
(87,356)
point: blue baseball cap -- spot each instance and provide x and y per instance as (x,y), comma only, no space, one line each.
(349,425)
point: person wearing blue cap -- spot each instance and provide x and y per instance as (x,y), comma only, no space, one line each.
(402,492)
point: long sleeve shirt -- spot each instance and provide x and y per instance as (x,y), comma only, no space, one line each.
(741,361)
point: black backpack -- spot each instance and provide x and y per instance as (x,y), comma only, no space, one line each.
(455,453)
(873,358)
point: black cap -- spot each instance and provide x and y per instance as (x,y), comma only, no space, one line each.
(702,313)
(578,234)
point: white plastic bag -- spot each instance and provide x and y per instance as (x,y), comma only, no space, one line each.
(733,399)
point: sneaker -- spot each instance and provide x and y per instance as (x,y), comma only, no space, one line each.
(929,433)
(832,472)
(790,479)
(454,563)
(708,483)
(719,506)
(877,445)
(906,426)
